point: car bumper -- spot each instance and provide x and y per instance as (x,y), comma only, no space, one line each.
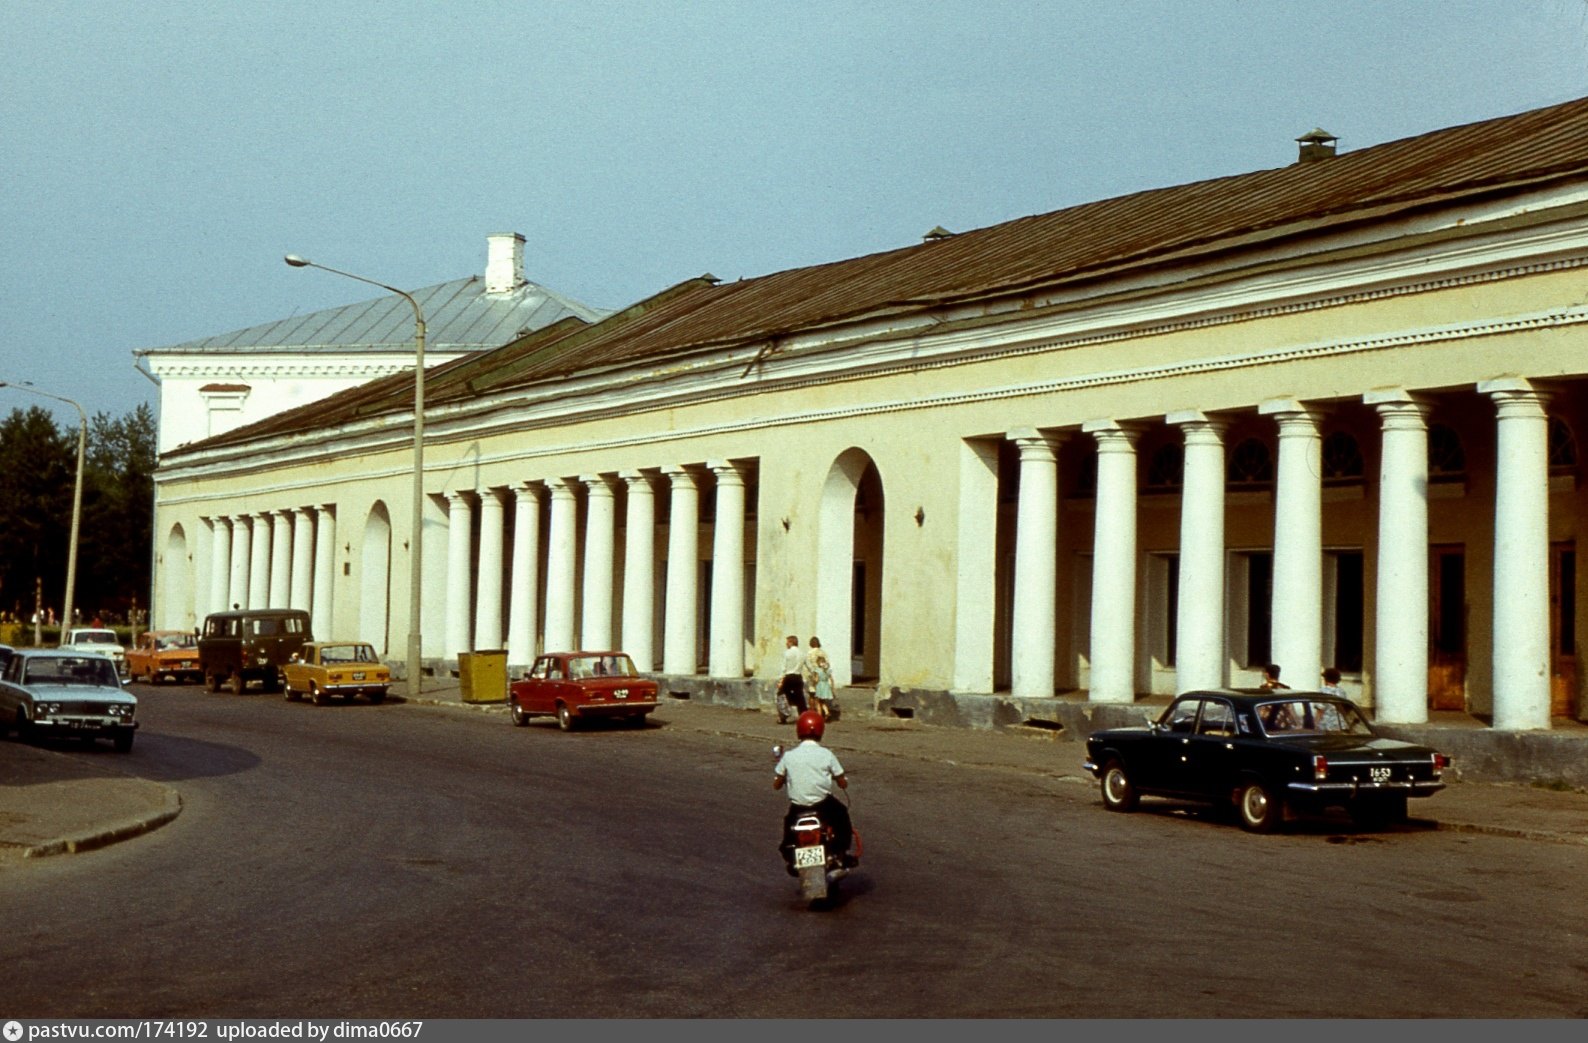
(83,726)
(1356,790)
(355,689)
(623,709)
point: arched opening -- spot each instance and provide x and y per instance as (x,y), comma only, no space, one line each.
(849,568)
(176,570)
(374,587)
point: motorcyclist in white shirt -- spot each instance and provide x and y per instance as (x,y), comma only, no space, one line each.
(813,776)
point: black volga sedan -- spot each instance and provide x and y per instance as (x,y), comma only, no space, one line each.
(1266,753)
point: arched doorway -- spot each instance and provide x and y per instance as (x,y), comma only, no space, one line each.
(374,587)
(176,608)
(849,567)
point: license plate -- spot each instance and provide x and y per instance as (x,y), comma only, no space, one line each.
(620,693)
(1380,774)
(187,664)
(358,676)
(810,857)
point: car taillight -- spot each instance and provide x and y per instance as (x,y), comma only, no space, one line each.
(1320,768)
(1441,762)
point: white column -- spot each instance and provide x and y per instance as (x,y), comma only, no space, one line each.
(1199,618)
(1036,564)
(683,522)
(600,533)
(727,574)
(639,571)
(488,594)
(259,563)
(1297,622)
(523,597)
(321,618)
(302,559)
(281,559)
(460,539)
(242,552)
(560,567)
(1521,556)
(220,564)
(1114,565)
(1400,627)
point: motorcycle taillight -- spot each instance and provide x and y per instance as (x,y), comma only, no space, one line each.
(808,837)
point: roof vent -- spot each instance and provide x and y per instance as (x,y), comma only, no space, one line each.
(937,233)
(504,262)
(1316,144)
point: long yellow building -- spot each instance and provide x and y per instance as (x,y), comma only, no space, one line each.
(1320,415)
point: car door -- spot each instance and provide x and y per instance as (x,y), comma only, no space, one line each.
(537,689)
(1211,757)
(1160,763)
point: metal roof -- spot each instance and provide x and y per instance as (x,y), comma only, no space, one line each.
(1067,247)
(459,316)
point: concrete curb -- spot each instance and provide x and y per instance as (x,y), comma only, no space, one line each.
(107,835)
(1515,833)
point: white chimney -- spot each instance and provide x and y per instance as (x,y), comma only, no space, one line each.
(504,262)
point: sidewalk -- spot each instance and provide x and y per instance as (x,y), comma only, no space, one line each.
(61,800)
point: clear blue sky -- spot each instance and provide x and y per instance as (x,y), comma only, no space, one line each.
(157,158)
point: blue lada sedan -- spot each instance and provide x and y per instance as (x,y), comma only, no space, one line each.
(67,694)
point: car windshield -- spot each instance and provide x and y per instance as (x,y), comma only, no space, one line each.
(82,670)
(331,654)
(1311,717)
(600,666)
(94,637)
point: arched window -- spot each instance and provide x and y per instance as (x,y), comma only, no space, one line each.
(1342,459)
(1446,460)
(1562,447)
(1251,464)
(1166,468)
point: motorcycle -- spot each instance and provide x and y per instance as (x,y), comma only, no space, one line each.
(817,860)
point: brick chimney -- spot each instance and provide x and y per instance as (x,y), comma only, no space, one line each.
(504,262)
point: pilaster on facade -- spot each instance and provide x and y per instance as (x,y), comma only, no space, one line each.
(281,533)
(1400,690)
(302,585)
(1297,609)
(726,658)
(1113,652)
(1521,555)
(1036,564)
(242,557)
(220,565)
(259,562)
(679,653)
(522,609)
(1201,659)
(639,569)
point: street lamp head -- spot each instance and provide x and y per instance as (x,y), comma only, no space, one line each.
(296,261)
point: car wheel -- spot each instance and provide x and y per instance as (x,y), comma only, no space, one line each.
(123,743)
(238,685)
(564,718)
(319,697)
(1119,793)
(288,694)
(213,681)
(1260,812)
(520,718)
(24,726)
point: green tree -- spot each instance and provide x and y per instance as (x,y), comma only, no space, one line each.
(38,465)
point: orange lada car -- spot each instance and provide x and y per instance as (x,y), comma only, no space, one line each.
(341,669)
(162,654)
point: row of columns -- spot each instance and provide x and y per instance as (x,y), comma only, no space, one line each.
(275,559)
(474,617)
(1521,560)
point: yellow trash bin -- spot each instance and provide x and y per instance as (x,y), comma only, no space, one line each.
(482,675)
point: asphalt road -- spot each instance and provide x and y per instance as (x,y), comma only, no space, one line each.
(408,861)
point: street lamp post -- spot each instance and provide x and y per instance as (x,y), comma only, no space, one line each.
(77,496)
(415,540)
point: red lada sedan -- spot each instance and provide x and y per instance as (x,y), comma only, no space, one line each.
(575,686)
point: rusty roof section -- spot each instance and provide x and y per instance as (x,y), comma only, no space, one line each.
(1069,246)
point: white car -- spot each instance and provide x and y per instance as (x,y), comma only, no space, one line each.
(98,641)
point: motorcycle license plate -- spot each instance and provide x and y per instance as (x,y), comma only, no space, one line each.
(810,857)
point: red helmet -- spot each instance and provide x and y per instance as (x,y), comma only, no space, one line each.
(810,725)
